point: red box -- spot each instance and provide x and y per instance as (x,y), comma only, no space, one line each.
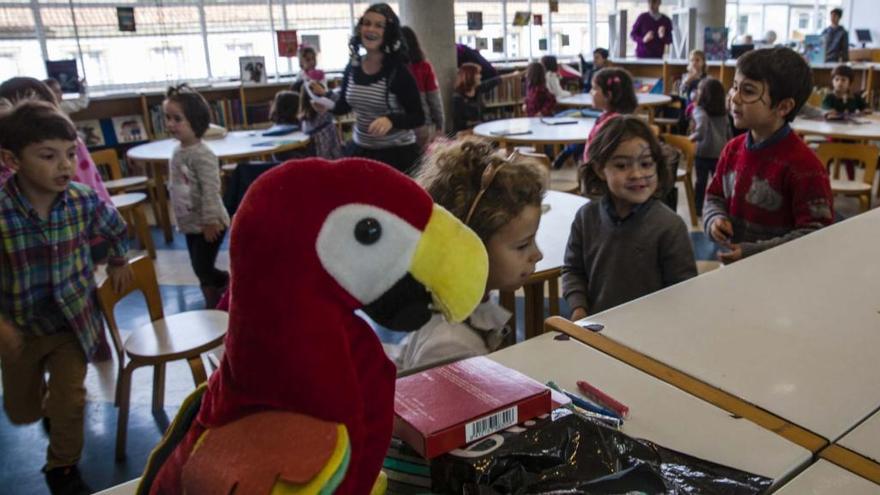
(444,408)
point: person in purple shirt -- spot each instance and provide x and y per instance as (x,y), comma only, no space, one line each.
(651,32)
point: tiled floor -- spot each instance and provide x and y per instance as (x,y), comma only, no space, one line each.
(20,472)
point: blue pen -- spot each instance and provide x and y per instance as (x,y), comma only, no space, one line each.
(582,403)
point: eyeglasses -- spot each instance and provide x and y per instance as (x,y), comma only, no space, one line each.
(489,174)
(746,92)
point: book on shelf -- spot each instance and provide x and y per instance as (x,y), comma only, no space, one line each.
(90,132)
(443,408)
(129,129)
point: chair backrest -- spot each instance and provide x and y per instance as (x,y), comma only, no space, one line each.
(540,157)
(683,143)
(144,280)
(109,161)
(832,153)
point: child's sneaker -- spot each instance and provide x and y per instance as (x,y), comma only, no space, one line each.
(66,480)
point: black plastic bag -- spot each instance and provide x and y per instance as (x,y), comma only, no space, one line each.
(573,455)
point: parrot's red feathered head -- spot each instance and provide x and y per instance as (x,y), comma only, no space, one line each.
(314,240)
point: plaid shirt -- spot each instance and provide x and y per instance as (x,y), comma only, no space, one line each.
(46,272)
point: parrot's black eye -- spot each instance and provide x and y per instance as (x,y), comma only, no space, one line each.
(368,231)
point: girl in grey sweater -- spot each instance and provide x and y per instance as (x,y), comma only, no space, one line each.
(711,132)
(627,244)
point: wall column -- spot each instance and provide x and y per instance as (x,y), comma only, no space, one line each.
(710,13)
(434,24)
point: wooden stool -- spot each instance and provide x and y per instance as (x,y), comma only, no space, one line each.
(129,206)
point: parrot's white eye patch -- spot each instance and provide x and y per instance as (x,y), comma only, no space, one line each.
(366,249)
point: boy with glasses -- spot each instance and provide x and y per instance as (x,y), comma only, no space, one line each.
(769,187)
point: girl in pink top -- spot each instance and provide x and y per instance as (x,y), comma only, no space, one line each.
(612,93)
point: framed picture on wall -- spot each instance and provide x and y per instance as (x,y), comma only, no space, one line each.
(66,73)
(475,21)
(497,45)
(482,43)
(253,69)
(287,43)
(521,18)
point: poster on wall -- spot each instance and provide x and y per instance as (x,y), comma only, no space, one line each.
(497,45)
(521,18)
(312,40)
(475,21)
(287,42)
(482,43)
(542,44)
(814,48)
(538,20)
(564,40)
(125,17)
(554,5)
(65,72)
(253,69)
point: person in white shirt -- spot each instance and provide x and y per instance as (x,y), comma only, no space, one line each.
(71,105)
(553,84)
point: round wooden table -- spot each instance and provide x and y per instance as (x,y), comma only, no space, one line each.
(235,145)
(558,212)
(586,100)
(864,128)
(534,131)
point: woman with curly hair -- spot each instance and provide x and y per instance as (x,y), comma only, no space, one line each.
(379,88)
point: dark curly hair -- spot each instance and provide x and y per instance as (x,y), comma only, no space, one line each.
(453,173)
(393,44)
(20,88)
(617,85)
(615,131)
(194,106)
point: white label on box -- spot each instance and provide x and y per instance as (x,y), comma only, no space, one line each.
(490,424)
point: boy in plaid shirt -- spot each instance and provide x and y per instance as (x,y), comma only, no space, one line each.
(48,317)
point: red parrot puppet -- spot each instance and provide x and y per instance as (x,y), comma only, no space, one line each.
(303,399)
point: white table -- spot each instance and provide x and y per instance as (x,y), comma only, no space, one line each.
(658,411)
(127,488)
(552,239)
(234,145)
(824,478)
(586,100)
(530,130)
(859,450)
(794,330)
(869,130)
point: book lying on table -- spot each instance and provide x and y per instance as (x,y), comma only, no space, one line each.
(443,408)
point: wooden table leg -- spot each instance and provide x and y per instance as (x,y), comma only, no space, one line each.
(507,299)
(162,199)
(553,295)
(534,308)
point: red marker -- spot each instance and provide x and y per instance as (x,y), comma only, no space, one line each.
(602,398)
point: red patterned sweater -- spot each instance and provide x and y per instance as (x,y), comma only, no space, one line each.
(772,192)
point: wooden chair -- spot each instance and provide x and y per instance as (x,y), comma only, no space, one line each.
(108,161)
(833,153)
(130,206)
(689,149)
(180,336)
(564,179)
